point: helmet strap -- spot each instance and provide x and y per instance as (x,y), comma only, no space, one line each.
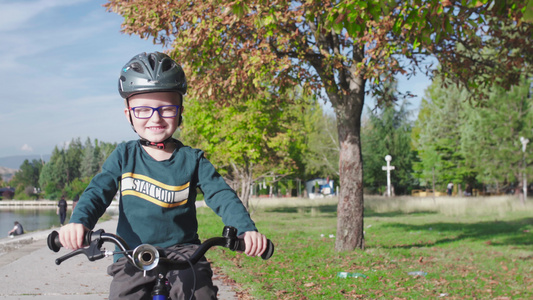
(159,145)
(129,112)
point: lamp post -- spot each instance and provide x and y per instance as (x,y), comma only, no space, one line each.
(388,168)
(524,142)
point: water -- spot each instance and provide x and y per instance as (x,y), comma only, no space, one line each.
(31,219)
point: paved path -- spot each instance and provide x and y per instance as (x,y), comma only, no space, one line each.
(28,271)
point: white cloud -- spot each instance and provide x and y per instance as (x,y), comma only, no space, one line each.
(26,148)
(17,14)
(59,66)
(64,145)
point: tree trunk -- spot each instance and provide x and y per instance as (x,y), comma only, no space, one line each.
(350,210)
(244,177)
(346,91)
(519,190)
(433,183)
(246,184)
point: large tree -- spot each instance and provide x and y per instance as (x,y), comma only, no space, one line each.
(27,178)
(336,49)
(387,131)
(491,135)
(437,137)
(463,143)
(89,164)
(248,140)
(53,176)
(69,163)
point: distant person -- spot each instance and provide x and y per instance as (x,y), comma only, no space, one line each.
(468,191)
(62,210)
(449,189)
(17,230)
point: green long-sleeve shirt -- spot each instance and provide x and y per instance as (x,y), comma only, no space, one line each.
(157,198)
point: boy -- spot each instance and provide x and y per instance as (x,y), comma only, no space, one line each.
(158,176)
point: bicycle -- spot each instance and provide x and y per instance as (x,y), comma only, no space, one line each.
(147,257)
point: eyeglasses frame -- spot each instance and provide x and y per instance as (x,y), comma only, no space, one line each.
(155,109)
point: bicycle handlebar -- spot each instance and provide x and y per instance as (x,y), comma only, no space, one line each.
(145,256)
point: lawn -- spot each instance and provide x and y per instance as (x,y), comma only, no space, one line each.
(477,248)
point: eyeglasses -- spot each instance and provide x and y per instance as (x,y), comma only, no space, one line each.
(146,112)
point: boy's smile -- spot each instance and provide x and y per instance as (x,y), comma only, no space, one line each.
(155,128)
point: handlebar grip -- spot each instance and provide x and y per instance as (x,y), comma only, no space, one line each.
(53,241)
(269,251)
(54,244)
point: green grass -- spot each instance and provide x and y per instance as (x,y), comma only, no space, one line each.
(468,255)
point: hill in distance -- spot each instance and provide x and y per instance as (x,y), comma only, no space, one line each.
(7,173)
(14,162)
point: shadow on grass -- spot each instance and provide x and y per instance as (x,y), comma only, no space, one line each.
(391,214)
(323,210)
(508,233)
(511,233)
(331,211)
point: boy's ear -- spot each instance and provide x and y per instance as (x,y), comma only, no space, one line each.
(127,113)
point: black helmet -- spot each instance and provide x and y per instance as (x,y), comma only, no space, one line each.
(151,72)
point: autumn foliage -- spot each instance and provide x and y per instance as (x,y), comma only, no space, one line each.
(341,50)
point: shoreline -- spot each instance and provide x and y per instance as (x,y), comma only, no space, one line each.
(257,201)
(39,204)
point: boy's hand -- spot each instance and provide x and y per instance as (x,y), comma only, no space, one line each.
(256,243)
(71,235)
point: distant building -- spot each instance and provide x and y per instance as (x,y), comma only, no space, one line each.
(319,187)
(7,193)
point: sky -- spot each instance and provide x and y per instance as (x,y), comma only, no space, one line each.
(59,66)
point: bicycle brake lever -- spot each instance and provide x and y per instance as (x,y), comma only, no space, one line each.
(61,259)
(92,252)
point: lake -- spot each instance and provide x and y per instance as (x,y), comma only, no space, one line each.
(31,219)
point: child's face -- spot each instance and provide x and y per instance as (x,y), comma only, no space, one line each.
(155,129)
